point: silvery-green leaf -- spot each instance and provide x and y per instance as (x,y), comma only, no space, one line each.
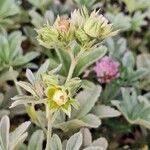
(87,99)
(24,102)
(4,112)
(103,111)
(18,136)
(57,69)
(4,133)
(135,109)
(74,142)
(119,20)
(128,60)
(89,120)
(133,5)
(87,84)
(89,58)
(116,47)
(42,69)
(64,59)
(6,11)
(40,4)
(21,60)
(30,76)
(56,143)
(137,21)
(93,148)
(87,137)
(143,60)
(102,142)
(28,87)
(36,141)
(36,19)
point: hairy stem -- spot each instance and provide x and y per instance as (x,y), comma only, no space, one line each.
(51,118)
(72,66)
(49,130)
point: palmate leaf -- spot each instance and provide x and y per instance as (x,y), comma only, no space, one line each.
(136,109)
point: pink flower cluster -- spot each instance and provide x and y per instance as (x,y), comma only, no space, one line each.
(106,69)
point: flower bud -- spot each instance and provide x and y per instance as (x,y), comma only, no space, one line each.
(92,27)
(63,25)
(106,69)
(47,36)
(97,26)
(81,36)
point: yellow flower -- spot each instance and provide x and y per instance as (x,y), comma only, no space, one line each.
(58,98)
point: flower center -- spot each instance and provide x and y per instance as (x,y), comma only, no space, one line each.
(60,97)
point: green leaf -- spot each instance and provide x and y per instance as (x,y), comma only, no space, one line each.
(74,142)
(56,143)
(36,141)
(89,58)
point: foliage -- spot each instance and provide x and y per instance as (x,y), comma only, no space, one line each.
(6,12)
(135,109)
(11,53)
(90,78)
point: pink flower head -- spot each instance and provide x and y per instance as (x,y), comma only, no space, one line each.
(106,69)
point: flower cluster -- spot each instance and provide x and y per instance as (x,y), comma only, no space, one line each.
(106,69)
(86,29)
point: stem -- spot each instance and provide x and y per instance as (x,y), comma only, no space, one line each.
(72,66)
(51,118)
(49,131)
